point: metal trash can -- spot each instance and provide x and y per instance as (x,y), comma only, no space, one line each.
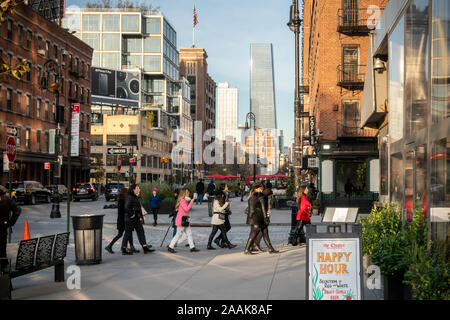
(88,238)
(294,210)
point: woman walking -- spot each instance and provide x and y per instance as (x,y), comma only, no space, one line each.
(134,220)
(303,217)
(220,241)
(218,220)
(183,206)
(258,219)
(121,222)
(155,203)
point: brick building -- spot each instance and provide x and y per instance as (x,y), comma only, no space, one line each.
(335,47)
(194,67)
(30,109)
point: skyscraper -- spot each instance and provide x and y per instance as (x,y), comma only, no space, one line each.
(227,111)
(262,85)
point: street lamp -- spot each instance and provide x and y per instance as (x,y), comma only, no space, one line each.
(251,117)
(294,25)
(51,65)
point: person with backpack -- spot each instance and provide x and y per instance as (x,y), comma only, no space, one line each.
(155,203)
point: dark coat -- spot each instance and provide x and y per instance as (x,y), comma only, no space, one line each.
(121,214)
(133,208)
(200,187)
(6,219)
(257,211)
(211,188)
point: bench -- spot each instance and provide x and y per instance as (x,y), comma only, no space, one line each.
(34,255)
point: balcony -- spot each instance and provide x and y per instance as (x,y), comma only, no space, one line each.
(351,76)
(344,131)
(355,22)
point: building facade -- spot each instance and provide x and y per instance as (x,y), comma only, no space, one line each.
(262,85)
(227,111)
(335,46)
(30,109)
(407,99)
(194,67)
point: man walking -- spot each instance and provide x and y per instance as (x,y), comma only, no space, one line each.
(155,204)
(6,206)
(200,189)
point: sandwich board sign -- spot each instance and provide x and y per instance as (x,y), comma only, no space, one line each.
(334,264)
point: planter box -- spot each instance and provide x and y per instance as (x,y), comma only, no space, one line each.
(394,289)
(166,208)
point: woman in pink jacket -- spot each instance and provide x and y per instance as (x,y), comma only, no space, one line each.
(183,206)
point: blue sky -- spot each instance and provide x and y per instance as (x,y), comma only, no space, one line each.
(225,30)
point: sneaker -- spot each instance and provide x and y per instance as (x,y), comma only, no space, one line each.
(170,250)
(194,249)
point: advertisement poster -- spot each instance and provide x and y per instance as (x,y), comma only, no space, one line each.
(74,148)
(334,269)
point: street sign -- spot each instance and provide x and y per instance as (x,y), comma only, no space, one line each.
(47,166)
(132,160)
(5,163)
(11,148)
(117,150)
(119,163)
(11,131)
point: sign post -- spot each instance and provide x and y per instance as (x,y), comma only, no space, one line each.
(334,263)
(11,153)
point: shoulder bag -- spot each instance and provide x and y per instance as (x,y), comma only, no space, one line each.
(185,221)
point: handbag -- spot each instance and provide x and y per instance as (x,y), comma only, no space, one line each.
(144,211)
(222,216)
(185,221)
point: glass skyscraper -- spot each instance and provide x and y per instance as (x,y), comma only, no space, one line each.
(262,85)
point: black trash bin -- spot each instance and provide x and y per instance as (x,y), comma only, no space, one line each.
(294,210)
(88,238)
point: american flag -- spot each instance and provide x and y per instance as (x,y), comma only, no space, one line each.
(195,17)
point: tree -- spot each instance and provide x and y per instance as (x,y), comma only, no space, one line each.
(98,168)
(7,7)
(122,4)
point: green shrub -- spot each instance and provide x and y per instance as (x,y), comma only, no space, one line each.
(164,190)
(290,190)
(169,199)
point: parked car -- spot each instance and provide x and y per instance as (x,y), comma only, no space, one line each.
(84,191)
(112,190)
(31,192)
(60,188)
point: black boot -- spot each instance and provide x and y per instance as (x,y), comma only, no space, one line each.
(270,247)
(210,247)
(109,249)
(217,241)
(248,246)
(126,251)
(134,250)
(147,249)
(229,245)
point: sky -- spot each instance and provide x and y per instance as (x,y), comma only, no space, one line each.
(225,30)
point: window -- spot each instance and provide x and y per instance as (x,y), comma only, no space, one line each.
(396,178)
(350,63)
(27,138)
(55,51)
(46,111)
(130,23)
(191,80)
(350,117)
(29,39)
(133,61)
(111,60)
(19,136)
(111,22)
(152,44)
(28,105)
(126,140)
(38,140)
(97,140)
(38,108)
(92,39)
(28,74)
(91,22)
(10,31)
(153,25)
(19,35)
(111,42)
(47,48)
(40,43)
(96,59)
(132,45)
(9,93)
(19,102)
(154,85)
(152,63)
(46,142)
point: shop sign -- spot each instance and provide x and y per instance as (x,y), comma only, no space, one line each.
(75,145)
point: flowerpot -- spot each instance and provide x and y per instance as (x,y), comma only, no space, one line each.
(393,286)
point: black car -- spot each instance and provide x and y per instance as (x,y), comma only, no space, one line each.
(112,190)
(84,191)
(31,192)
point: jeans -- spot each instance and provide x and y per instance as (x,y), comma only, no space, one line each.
(131,225)
(180,231)
(223,234)
(155,214)
(199,198)
(118,236)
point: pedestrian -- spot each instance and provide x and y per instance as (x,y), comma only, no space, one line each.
(267,193)
(211,190)
(173,213)
(155,203)
(218,220)
(242,190)
(134,220)
(7,220)
(200,188)
(268,184)
(220,240)
(183,206)
(303,218)
(258,219)
(121,222)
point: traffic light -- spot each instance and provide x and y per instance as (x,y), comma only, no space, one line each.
(59,114)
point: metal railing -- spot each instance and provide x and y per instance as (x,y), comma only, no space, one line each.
(344,130)
(351,75)
(355,21)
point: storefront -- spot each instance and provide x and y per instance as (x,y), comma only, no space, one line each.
(407,97)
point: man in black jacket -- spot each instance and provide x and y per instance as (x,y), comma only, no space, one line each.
(200,188)
(6,220)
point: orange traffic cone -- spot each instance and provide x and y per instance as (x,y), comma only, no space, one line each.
(26,232)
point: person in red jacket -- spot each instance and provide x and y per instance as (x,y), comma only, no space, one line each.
(303,217)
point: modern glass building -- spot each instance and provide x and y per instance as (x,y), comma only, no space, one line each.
(407,98)
(262,85)
(227,111)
